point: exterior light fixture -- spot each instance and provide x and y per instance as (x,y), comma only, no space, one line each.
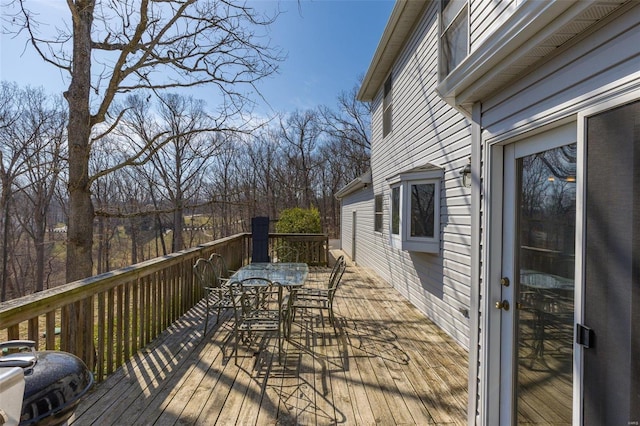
(465,172)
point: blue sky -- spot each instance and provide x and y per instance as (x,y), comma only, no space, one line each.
(329,45)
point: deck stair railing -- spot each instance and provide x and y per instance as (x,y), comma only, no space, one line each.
(119,312)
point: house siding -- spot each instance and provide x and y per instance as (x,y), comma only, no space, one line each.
(425,130)
(529,95)
(360,202)
(485,17)
(582,74)
(598,65)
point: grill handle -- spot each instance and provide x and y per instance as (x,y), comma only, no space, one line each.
(24,360)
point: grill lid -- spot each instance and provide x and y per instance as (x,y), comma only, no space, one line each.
(54,385)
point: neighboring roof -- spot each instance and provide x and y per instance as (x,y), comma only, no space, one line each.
(404,16)
(358,183)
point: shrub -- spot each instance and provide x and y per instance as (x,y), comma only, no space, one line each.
(299,221)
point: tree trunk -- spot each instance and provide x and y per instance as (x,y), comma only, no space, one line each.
(81,213)
(134,241)
(4,277)
(40,247)
(100,253)
(77,327)
(178,224)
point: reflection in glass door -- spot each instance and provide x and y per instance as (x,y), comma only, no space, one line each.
(544,261)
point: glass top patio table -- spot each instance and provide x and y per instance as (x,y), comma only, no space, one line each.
(284,273)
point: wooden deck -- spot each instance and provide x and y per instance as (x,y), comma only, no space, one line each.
(387,365)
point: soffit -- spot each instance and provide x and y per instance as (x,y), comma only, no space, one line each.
(534,32)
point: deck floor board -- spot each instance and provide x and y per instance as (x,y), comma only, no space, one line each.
(387,364)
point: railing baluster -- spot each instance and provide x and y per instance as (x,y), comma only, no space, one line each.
(50,330)
(110,329)
(127,320)
(100,360)
(154,309)
(33,331)
(134,319)
(13,332)
(147,311)
(119,326)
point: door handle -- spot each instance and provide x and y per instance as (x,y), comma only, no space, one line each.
(504,304)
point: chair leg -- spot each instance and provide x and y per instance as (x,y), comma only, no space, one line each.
(291,319)
(206,319)
(235,346)
(280,346)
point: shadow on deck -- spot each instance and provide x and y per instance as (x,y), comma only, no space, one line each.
(388,364)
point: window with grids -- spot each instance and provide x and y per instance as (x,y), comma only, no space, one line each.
(378,213)
(454,34)
(386,107)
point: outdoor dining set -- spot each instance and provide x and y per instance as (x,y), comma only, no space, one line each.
(264,297)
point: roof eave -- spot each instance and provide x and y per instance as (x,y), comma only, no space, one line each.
(525,41)
(358,183)
(404,16)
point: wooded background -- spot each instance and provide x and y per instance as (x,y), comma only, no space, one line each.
(200,186)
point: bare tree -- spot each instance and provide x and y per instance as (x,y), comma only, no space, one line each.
(11,166)
(348,129)
(115,47)
(107,195)
(301,132)
(112,48)
(264,152)
(43,126)
(181,163)
(351,122)
(31,155)
(222,188)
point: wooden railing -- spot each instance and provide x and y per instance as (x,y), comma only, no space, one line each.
(119,312)
(312,248)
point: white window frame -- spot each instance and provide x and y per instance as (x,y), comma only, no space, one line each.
(378,214)
(387,107)
(395,236)
(449,16)
(403,240)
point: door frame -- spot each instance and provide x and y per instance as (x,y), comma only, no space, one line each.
(500,223)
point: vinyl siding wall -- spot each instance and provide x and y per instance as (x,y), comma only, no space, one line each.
(362,203)
(485,17)
(600,65)
(425,130)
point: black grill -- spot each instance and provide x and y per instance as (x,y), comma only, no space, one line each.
(54,383)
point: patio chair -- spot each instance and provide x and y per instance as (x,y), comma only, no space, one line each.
(220,267)
(216,291)
(257,308)
(285,253)
(318,298)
